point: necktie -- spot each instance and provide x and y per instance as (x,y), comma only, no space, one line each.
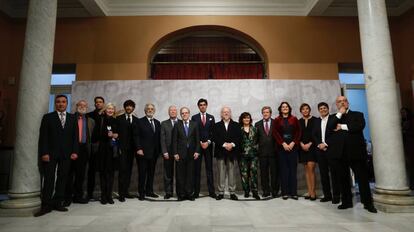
(186,128)
(203,119)
(152,125)
(80,126)
(62,119)
(267,127)
(129,119)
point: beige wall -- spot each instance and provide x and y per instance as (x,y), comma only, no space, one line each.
(119,47)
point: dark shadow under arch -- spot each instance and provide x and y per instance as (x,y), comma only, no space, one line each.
(251,57)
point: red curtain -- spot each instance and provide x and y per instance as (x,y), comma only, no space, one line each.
(207,71)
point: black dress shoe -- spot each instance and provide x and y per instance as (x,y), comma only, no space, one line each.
(220,196)
(196,195)
(141,197)
(246,194)
(345,206)
(266,194)
(67,203)
(180,198)
(294,197)
(121,199)
(307,197)
(335,201)
(212,195)
(129,196)
(285,197)
(104,201)
(370,208)
(326,199)
(167,196)
(256,196)
(80,200)
(233,197)
(275,195)
(153,195)
(191,198)
(110,201)
(60,208)
(42,211)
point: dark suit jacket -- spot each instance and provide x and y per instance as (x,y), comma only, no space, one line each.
(146,139)
(57,141)
(317,132)
(185,146)
(267,145)
(221,136)
(90,125)
(166,137)
(96,130)
(347,144)
(125,137)
(206,131)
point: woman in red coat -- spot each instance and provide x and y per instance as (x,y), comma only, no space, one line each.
(287,134)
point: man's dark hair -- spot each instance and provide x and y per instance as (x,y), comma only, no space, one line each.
(202,100)
(323,104)
(129,102)
(304,105)
(61,95)
(98,97)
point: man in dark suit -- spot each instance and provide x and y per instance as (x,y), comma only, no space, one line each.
(58,144)
(148,148)
(96,115)
(126,147)
(166,149)
(267,154)
(347,143)
(205,123)
(227,137)
(76,177)
(325,162)
(186,149)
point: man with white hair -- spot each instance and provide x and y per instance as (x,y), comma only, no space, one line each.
(166,149)
(146,134)
(227,137)
(186,149)
(76,177)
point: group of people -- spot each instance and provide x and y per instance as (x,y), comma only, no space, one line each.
(102,141)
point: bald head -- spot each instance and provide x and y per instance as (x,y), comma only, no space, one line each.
(225,113)
(342,102)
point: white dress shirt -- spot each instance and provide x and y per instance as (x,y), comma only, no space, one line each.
(324,121)
(339,116)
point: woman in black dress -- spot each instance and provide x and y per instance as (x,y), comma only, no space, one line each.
(307,154)
(107,153)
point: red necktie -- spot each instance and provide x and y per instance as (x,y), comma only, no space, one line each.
(267,127)
(80,125)
(203,119)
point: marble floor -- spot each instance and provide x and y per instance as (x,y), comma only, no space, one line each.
(206,214)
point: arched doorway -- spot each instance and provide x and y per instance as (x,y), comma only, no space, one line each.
(207,52)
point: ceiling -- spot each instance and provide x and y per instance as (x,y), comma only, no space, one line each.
(97,8)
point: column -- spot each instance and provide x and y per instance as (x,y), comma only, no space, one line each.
(391,188)
(33,101)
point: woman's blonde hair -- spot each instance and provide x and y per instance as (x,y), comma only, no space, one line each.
(108,105)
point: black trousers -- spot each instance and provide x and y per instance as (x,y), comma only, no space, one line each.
(288,170)
(269,164)
(50,171)
(360,169)
(208,163)
(92,169)
(340,168)
(185,171)
(107,183)
(146,170)
(328,175)
(76,177)
(126,159)
(169,175)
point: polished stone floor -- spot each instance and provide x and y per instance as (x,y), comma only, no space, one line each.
(206,214)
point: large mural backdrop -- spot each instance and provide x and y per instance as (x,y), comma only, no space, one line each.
(239,95)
